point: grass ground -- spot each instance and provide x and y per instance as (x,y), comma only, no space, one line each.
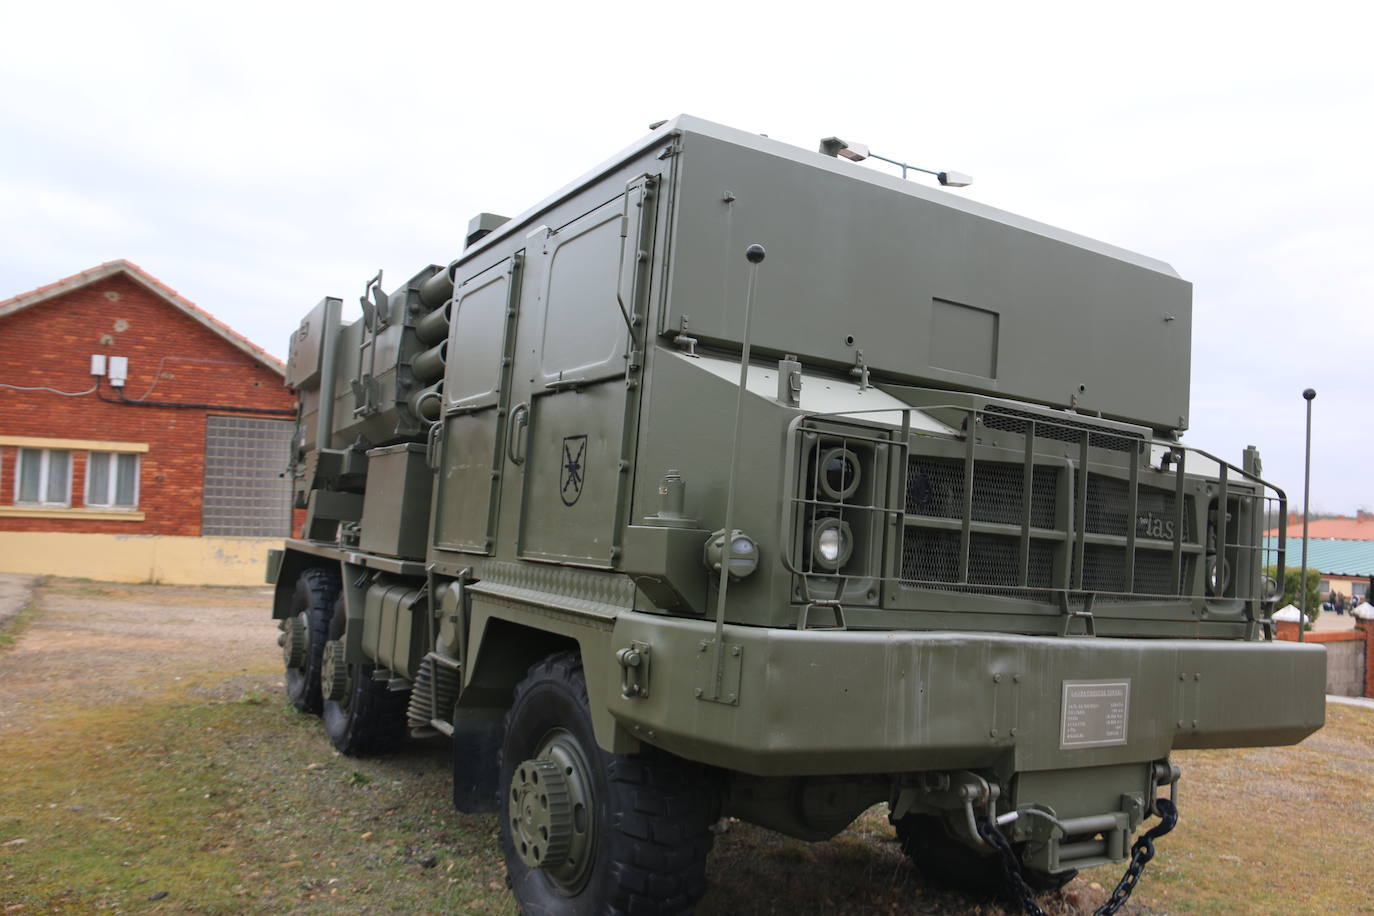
(151,765)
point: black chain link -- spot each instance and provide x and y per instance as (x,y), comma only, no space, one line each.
(1142,851)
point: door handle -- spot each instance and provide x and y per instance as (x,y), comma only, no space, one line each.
(515,441)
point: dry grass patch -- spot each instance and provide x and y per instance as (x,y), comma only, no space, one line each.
(148,754)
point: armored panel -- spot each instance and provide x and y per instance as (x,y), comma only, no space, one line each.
(465,483)
(477,396)
(584,329)
(478,324)
(396,502)
(572,476)
(303,362)
(920,285)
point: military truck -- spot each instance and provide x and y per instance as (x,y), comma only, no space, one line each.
(736,479)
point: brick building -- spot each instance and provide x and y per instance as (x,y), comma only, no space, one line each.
(140,438)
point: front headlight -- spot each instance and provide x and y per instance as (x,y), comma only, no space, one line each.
(831,543)
(839,473)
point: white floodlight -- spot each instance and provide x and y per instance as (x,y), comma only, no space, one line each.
(854,152)
(858,152)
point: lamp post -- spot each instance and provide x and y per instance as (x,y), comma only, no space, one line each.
(1307,395)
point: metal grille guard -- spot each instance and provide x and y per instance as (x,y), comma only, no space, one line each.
(994,540)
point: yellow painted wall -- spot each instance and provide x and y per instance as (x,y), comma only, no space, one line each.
(137,558)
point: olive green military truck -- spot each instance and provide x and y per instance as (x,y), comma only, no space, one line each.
(739,479)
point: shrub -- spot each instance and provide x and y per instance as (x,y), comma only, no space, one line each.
(1292,577)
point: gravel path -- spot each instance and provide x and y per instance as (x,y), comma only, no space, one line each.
(15,591)
(97,643)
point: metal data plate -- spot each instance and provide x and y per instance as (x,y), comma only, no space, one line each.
(1094,713)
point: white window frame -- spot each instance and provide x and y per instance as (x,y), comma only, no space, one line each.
(112,476)
(44,456)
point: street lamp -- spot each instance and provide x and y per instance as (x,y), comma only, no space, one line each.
(1307,395)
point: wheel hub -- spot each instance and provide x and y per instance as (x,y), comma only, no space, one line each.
(541,813)
(293,643)
(334,680)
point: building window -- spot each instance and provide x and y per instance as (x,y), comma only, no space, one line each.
(43,477)
(1324,586)
(247,493)
(112,480)
(1359,590)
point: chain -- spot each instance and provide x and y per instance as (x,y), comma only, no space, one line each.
(1142,851)
(1011,867)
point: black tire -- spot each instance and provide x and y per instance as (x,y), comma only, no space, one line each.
(644,831)
(942,860)
(312,604)
(369,719)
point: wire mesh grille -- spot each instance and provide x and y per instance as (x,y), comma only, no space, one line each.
(935,487)
(1010,420)
(994,560)
(1104,570)
(1108,509)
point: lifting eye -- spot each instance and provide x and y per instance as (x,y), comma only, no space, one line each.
(839,473)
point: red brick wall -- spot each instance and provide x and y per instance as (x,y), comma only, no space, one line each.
(50,344)
(1363,632)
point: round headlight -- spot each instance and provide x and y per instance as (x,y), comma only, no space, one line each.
(744,553)
(831,543)
(839,473)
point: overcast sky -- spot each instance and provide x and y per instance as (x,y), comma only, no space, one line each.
(258,157)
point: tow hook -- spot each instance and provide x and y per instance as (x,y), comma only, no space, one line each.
(634,670)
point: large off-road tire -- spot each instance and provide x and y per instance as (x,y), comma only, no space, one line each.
(367,717)
(941,859)
(304,634)
(585,831)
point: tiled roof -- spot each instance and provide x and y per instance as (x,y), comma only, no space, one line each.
(152,283)
(1332,556)
(1349,529)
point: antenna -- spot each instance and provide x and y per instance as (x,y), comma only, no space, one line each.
(754,254)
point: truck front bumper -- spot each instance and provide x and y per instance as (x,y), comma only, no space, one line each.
(831,702)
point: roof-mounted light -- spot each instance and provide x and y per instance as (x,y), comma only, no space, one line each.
(858,152)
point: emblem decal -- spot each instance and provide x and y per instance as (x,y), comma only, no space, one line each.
(570,479)
(1153,526)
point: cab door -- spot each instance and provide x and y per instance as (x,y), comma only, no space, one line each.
(587,280)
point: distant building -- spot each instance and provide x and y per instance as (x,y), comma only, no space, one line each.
(1340,548)
(1359,528)
(1345,566)
(141,439)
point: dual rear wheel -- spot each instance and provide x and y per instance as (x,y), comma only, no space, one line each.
(361,715)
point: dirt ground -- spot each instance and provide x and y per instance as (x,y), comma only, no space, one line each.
(152,765)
